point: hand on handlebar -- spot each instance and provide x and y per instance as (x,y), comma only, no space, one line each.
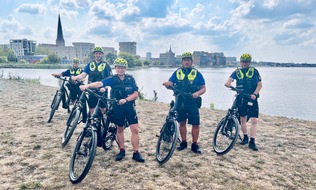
(83,87)
(167,84)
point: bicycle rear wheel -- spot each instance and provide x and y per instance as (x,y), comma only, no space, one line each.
(54,106)
(167,141)
(83,155)
(71,125)
(225,135)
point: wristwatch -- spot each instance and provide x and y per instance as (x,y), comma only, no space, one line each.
(257,95)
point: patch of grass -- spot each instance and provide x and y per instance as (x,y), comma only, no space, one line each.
(21,79)
(30,185)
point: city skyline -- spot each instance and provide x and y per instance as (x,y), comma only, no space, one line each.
(276,31)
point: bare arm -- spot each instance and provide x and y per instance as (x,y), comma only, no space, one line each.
(91,85)
(229,82)
(129,98)
(79,77)
(199,92)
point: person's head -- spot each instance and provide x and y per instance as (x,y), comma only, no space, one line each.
(98,53)
(75,62)
(120,65)
(245,60)
(187,59)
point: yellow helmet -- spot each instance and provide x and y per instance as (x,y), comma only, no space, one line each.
(245,57)
(120,62)
(98,49)
(187,55)
(75,60)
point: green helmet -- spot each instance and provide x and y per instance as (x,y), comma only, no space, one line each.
(75,60)
(245,58)
(98,49)
(187,55)
(120,62)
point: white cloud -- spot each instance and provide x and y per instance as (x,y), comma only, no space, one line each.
(32,9)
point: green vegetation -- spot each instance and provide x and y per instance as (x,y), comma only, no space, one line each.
(21,79)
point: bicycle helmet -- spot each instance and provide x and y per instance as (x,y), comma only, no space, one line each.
(245,57)
(187,55)
(75,60)
(120,62)
(98,49)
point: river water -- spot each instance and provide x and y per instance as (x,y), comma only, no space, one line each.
(288,92)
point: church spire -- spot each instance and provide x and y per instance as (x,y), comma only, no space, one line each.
(60,39)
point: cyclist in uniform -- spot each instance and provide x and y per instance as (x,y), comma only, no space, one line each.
(124,89)
(189,80)
(73,86)
(97,70)
(249,80)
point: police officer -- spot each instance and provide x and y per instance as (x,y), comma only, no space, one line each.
(73,86)
(97,70)
(124,89)
(249,80)
(189,80)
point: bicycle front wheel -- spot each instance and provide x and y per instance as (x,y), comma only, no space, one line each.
(83,155)
(167,141)
(54,106)
(225,135)
(71,125)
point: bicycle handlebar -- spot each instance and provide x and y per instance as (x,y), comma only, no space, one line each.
(101,96)
(179,91)
(239,91)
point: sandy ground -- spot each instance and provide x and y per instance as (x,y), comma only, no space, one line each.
(31,156)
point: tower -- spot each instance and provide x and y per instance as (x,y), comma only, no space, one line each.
(60,39)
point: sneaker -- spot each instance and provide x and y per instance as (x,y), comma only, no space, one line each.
(183,145)
(120,155)
(252,146)
(245,140)
(137,157)
(196,149)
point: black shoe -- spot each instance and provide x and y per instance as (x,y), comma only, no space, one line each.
(137,157)
(120,155)
(252,146)
(245,140)
(183,145)
(195,148)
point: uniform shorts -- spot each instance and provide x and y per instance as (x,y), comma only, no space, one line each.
(190,111)
(126,111)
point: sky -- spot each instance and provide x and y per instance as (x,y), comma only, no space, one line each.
(270,30)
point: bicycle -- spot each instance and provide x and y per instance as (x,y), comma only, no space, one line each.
(93,135)
(60,95)
(227,130)
(169,133)
(78,111)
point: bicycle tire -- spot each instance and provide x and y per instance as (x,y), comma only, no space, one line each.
(54,106)
(225,136)
(83,155)
(71,125)
(107,136)
(167,141)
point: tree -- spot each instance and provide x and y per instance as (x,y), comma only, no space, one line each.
(41,51)
(11,56)
(51,58)
(110,57)
(147,63)
(132,60)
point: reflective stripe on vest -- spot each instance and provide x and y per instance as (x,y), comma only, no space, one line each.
(101,67)
(191,75)
(78,71)
(249,73)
